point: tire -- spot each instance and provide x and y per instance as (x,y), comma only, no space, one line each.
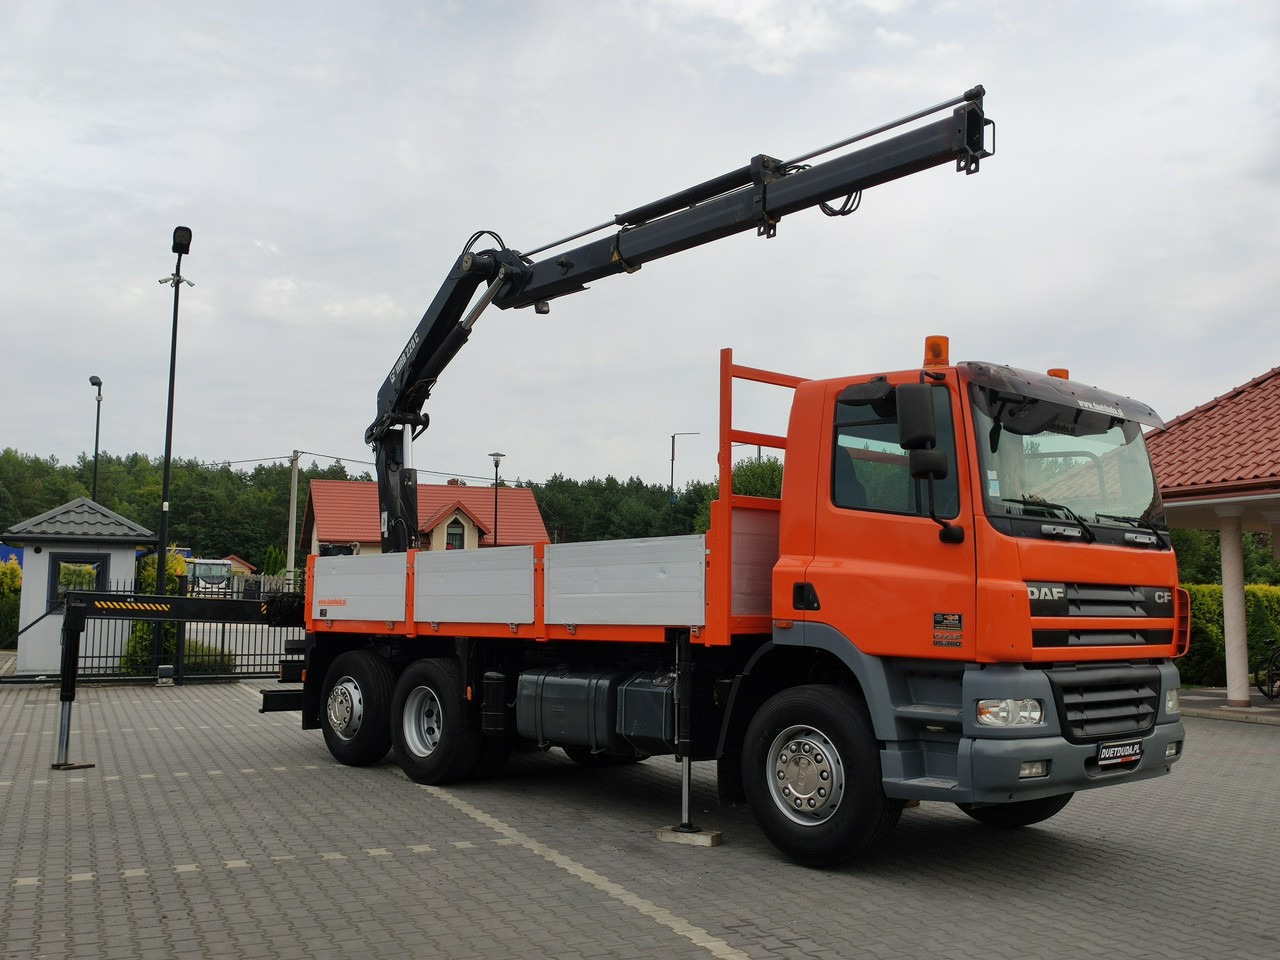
(357,708)
(811,773)
(435,740)
(1019,813)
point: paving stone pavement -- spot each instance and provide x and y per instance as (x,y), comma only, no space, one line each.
(206,829)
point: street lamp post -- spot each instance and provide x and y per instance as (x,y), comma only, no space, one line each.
(96,381)
(181,245)
(497,459)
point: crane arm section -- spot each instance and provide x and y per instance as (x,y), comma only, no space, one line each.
(755,196)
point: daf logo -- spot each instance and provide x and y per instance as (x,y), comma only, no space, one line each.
(1046,592)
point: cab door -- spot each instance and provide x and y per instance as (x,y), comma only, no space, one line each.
(884,573)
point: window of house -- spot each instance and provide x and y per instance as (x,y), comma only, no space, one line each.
(455,535)
(76,571)
(870,469)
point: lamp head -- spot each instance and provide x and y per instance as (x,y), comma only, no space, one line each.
(95,382)
(182,240)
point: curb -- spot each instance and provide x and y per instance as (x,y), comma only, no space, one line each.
(1235,715)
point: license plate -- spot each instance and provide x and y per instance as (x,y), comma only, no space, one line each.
(1119,752)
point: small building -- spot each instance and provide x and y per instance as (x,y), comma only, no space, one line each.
(80,545)
(344,516)
(240,567)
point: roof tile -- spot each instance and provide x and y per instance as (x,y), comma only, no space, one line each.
(81,519)
(347,510)
(1232,439)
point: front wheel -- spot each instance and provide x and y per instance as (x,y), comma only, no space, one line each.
(435,742)
(811,772)
(357,705)
(1019,813)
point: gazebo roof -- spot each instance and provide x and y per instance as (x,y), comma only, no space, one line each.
(80,520)
(1223,458)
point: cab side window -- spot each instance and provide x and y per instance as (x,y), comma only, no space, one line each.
(869,467)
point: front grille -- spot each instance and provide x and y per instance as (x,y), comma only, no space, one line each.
(1050,599)
(1106,702)
(1105,600)
(1100,638)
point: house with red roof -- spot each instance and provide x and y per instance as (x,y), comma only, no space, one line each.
(240,567)
(1219,469)
(344,514)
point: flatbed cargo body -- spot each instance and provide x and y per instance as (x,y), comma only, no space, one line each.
(626,590)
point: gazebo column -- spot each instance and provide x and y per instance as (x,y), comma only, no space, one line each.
(1231,535)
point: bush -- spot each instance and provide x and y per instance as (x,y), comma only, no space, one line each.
(9,620)
(197,658)
(10,577)
(1205,664)
(10,597)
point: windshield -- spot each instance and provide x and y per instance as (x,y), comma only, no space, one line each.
(211,573)
(1042,459)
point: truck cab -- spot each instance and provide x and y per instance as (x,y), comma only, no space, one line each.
(984,550)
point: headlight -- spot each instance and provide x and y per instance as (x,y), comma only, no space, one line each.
(1171,701)
(1010,713)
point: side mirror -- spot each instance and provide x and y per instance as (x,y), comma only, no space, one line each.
(917,429)
(927,464)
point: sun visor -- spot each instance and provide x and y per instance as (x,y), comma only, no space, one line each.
(1044,387)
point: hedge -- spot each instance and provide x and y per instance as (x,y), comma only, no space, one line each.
(1205,664)
(198,658)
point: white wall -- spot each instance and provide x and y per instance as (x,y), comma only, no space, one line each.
(40,647)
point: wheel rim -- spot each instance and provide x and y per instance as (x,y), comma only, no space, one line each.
(423,720)
(345,708)
(805,774)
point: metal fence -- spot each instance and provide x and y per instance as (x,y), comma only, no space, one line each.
(112,649)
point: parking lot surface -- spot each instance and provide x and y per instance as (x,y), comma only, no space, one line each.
(208,830)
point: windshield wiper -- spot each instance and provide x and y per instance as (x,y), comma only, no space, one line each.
(1138,522)
(1050,505)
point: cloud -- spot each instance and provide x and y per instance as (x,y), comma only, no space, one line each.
(333,158)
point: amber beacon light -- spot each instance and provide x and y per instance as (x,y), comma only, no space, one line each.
(936,351)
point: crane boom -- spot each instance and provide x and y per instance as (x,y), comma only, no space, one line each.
(755,196)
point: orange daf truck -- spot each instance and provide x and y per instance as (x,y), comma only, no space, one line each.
(965,593)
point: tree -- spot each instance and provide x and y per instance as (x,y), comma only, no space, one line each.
(610,509)
(10,598)
(275,561)
(1200,557)
(755,477)
(215,510)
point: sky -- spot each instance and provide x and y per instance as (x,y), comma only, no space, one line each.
(332,159)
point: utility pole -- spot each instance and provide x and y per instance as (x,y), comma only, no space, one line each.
(293,518)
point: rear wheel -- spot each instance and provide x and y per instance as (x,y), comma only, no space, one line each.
(357,707)
(1019,813)
(811,772)
(435,742)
